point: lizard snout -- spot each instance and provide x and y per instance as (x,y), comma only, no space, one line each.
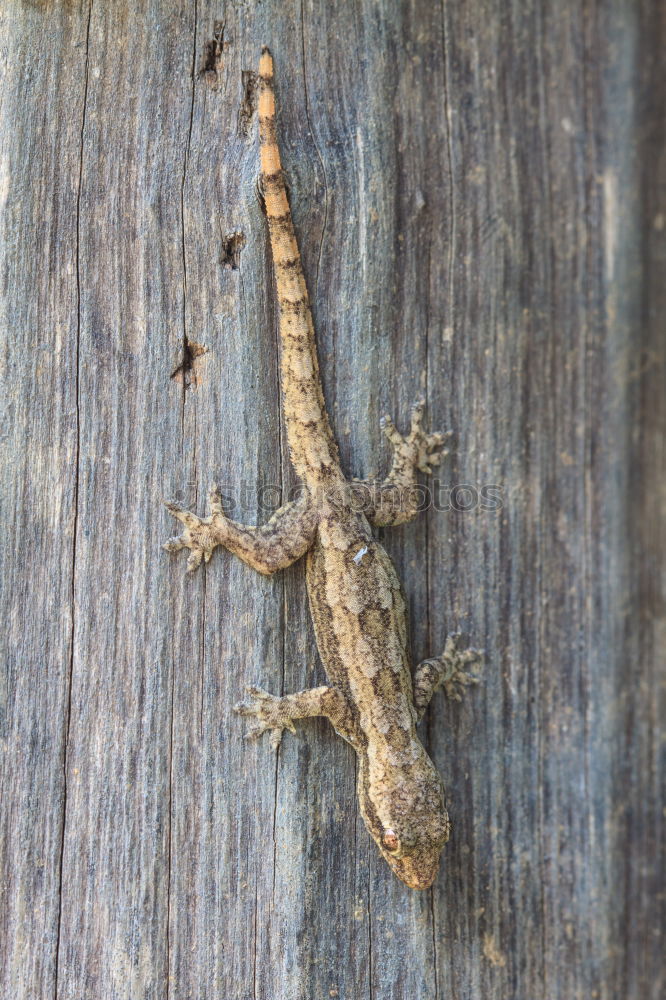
(418,871)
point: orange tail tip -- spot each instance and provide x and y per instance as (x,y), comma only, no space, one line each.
(266,62)
(274,195)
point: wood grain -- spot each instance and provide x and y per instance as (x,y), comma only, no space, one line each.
(479,189)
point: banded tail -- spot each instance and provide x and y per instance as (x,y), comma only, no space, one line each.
(314,453)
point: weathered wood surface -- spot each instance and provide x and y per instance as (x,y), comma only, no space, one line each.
(480,193)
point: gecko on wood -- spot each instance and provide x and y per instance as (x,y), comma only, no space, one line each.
(356,602)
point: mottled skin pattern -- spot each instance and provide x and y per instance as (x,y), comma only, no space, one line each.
(355,596)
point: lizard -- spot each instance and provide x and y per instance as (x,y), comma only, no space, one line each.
(358,610)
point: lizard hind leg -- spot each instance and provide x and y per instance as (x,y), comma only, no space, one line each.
(448,671)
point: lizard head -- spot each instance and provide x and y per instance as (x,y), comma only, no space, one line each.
(403,809)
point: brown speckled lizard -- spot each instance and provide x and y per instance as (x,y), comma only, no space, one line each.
(355,598)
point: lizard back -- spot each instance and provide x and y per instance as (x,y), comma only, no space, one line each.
(360,622)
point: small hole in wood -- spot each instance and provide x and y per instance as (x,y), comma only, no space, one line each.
(232,244)
(248,103)
(211,64)
(188,372)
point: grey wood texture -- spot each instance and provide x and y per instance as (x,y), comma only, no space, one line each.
(479,190)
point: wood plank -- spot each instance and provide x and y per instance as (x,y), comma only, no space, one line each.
(479,193)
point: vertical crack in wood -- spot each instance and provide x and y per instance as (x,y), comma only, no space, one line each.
(371,991)
(593,168)
(254,944)
(429,635)
(182,427)
(540,742)
(276,776)
(433,924)
(319,156)
(168,843)
(428,616)
(202,653)
(449,151)
(70,676)
(182,213)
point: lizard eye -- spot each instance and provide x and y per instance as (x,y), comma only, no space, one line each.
(390,840)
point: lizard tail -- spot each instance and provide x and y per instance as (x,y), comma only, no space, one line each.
(314,453)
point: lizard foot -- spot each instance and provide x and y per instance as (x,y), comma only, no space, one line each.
(269,711)
(201,534)
(456,678)
(418,449)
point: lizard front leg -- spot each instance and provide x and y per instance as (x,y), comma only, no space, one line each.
(395,500)
(281,541)
(447,670)
(277,714)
